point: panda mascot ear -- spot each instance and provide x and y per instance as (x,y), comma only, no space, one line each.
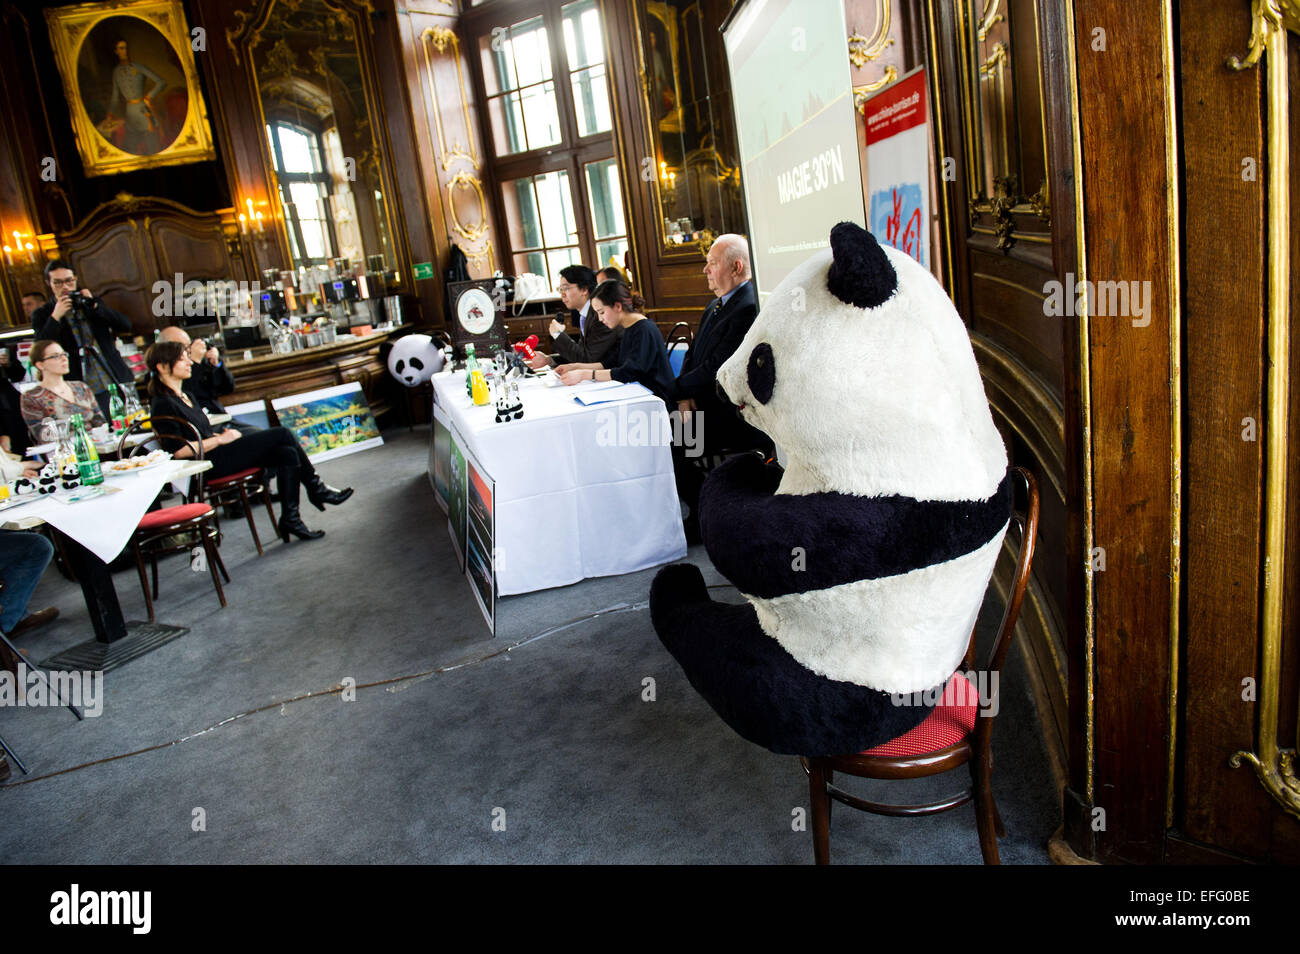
(860,273)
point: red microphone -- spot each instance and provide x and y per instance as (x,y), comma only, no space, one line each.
(527,346)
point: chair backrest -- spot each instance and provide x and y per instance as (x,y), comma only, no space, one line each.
(187,429)
(1027,521)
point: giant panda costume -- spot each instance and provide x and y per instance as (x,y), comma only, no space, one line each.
(865,561)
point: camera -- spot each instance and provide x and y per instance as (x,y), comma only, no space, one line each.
(79,301)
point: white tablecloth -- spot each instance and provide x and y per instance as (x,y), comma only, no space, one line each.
(103,525)
(580,491)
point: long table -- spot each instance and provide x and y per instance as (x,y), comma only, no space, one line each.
(579,491)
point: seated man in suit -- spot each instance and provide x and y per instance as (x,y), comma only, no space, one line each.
(87,332)
(595,340)
(726,321)
(210,379)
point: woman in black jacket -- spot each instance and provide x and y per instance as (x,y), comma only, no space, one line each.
(230,451)
(640,354)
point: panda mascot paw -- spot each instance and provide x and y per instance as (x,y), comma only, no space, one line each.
(865,561)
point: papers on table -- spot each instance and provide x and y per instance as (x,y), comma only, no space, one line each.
(603,392)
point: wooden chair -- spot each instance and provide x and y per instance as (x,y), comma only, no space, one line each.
(243,486)
(154,537)
(951,736)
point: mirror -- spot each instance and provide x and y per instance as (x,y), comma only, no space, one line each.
(321,135)
(684,81)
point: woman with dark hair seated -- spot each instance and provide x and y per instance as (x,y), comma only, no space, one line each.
(640,354)
(230,451)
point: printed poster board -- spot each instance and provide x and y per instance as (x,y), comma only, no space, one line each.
(440,459)
(456,496)
(898,166)
(480,563)
(331,422)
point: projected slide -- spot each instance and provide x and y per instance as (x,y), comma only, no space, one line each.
(798,139)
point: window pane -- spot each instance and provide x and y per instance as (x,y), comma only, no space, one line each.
(583,42)
(541,121)
(507,124)
(534,262)
(560,258)
(606,198)
(615,250)
(555,204)
(498,62)
(297,150)
(591,101)
(521,212)
(531,50)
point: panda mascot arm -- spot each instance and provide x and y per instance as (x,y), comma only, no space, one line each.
(865,562)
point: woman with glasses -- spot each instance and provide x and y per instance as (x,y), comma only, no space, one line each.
(55,395)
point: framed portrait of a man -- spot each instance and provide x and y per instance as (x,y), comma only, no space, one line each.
(131,84)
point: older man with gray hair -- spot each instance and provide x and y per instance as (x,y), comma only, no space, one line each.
(725,323)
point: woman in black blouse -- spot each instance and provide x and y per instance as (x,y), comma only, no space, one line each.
(640,354)
(274,448)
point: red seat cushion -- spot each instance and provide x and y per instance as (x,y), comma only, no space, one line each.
(169,515)
(947,724)
(231,478)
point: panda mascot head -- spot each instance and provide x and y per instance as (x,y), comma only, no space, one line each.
(414,360)
(864,561)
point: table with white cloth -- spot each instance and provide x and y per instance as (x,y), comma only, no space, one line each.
(579,491)
(95,531)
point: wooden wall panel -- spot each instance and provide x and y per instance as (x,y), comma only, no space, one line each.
(1225,384)
(1126,195)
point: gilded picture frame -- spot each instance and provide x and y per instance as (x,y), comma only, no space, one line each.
(131,84)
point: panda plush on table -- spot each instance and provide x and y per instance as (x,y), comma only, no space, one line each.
(864,562)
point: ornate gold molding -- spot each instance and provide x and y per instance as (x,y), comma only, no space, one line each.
(989,16)
(441,40)
(1274,766)
(863,50)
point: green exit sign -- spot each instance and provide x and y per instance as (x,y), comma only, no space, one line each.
(423,270)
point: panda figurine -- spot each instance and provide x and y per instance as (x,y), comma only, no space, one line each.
(508,404)
(864,562)
(71,475)
(47,482)
(24,486)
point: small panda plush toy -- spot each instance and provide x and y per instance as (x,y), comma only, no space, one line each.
(71,475)
(47,482)
(864,562)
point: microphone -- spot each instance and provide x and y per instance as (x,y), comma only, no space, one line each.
(527,347)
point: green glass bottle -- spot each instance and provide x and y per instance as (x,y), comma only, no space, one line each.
(471,365)
(116,409)
(87,456)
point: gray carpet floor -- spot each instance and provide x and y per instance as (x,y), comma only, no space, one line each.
(228,745)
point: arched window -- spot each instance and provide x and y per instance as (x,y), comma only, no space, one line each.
(304,192)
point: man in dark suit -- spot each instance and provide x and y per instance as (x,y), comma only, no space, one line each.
(594,340)
(86,333)
(726,321)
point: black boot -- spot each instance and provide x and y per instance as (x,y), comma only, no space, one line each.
(321,493)
(290,519)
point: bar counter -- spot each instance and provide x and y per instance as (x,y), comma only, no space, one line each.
(267,375)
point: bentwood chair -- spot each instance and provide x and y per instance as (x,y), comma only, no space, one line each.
(678,344)
(243,486)
(173,529)
(952,735)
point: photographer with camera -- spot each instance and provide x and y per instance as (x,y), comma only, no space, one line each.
(85,326)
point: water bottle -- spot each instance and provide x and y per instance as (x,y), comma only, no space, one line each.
(116,409)
(87,456)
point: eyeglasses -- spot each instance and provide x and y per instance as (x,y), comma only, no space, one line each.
(52,355)
(564,287)
(64,282)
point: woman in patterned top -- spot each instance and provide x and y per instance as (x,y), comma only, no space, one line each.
(55,396)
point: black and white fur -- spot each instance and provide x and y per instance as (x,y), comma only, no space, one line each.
(864,561)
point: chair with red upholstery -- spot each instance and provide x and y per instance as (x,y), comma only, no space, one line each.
(952,735)
(243,487)
(173,529)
